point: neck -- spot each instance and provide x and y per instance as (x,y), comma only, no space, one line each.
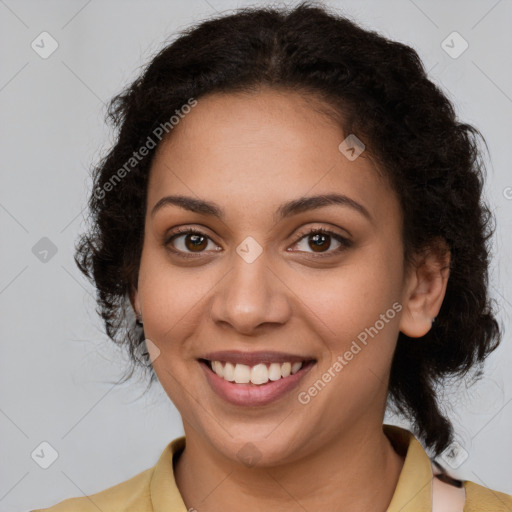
(356,472)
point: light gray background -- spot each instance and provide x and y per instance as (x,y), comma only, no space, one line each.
(57,367)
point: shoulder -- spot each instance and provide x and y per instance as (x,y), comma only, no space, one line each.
(480,498)
(152,489)
(132,494)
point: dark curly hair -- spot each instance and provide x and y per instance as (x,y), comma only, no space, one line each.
(380,91)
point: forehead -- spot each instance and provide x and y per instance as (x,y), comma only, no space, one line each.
(262,148)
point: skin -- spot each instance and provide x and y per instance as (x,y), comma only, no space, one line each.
(249,153)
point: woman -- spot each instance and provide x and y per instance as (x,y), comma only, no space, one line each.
(293,215)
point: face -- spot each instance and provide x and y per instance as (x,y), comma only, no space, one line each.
(269,278)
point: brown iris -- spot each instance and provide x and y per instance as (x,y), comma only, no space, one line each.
(318,239)
(196,242)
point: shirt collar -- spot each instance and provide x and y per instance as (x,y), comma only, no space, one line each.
(165,494)
(413,492)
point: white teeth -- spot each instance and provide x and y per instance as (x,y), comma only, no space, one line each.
(217,368)
(274,372)
(229,372)
(296,367)
(242,374)
(258,374)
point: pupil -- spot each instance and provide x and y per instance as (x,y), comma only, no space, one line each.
(196,241)
(319,237)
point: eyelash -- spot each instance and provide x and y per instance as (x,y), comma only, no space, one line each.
(345,243)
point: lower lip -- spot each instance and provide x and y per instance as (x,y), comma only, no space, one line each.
(253,394)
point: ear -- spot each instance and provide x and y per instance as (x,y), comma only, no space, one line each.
(425,288)
(134,300)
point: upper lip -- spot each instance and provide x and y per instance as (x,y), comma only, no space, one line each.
(253,358)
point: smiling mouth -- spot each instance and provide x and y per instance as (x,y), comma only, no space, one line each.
(258,374)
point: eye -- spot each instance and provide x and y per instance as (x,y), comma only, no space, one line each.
(188,240)
(320,241)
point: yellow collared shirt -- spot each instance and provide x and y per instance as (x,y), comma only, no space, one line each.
(155,490)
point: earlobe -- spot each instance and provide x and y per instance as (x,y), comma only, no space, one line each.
(424,292)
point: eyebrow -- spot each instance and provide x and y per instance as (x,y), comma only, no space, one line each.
(287,209)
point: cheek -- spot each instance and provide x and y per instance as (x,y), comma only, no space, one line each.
(362,311)
(172,299)
(353,297)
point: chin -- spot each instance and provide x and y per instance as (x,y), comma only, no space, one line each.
(259,447)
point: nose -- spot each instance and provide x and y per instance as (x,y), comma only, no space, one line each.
(251,296)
